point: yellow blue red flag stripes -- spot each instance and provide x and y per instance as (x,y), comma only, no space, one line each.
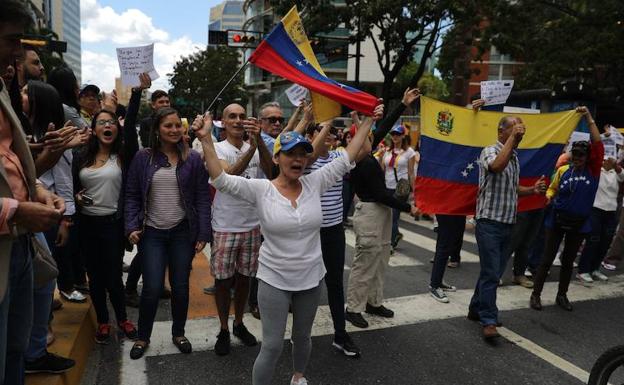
(287,53)
(323,107)
(452,138)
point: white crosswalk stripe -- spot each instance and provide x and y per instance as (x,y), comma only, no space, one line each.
(408,311)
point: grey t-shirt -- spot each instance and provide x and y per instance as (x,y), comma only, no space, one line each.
(104,186)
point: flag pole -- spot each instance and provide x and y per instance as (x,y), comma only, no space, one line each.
(227,84)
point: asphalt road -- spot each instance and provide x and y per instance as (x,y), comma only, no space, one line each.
(427,343)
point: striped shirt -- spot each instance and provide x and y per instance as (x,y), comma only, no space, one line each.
(497,199)
(165,209)
(331,200)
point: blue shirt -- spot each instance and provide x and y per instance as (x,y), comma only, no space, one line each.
(269,141)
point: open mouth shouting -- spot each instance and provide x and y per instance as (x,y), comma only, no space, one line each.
(107,133)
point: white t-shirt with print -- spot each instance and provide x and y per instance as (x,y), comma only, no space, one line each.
(230,214)
(401,165)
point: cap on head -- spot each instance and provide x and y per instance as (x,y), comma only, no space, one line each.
(398,130)
(581,147)
(289,140)
(89,88)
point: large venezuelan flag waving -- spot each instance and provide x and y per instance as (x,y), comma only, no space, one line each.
(452,138)
(286,52)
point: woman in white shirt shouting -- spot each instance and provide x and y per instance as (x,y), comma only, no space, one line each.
(291,266)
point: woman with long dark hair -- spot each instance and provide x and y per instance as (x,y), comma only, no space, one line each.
(571,194)
(168,216)
(41,106)
(100,173)
(63,79)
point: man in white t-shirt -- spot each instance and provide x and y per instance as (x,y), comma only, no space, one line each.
(235,223)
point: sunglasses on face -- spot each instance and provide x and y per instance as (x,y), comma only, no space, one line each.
(274,119)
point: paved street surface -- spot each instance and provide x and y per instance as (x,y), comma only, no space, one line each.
(426,343)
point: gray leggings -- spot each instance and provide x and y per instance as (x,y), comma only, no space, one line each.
(274,304)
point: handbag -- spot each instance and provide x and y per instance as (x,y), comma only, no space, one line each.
(403,188)
(44,265)
(569,222)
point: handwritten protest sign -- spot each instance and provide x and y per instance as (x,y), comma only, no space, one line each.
(133,61)
(496,91)
(295,93)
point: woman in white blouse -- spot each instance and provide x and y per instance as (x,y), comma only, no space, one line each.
(291,266)
(398,163)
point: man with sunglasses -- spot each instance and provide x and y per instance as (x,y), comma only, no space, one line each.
(271,122)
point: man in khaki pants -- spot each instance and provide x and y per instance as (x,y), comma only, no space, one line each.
(372,224)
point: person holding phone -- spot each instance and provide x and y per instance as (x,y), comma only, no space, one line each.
(100,172)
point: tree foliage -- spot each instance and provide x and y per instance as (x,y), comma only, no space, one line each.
(197,79)
(558,38)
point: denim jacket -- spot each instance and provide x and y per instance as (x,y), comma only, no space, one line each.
(192,182)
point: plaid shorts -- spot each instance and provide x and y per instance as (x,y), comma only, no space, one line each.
(235,252)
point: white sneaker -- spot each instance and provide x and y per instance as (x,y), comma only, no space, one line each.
(301,381)
(599,276)
(74,296)
(527,273)
(585,278)
(557,261)
(608,266)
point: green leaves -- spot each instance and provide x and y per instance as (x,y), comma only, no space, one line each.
(197,79)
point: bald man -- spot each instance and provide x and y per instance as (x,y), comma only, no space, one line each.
(235,223)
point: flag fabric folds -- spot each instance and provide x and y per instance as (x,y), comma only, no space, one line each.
(286,52)
(452,138)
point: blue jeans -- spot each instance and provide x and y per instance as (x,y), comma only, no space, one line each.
(492,239)
(16,314)
(172,248)
(603,225)
(42,304)
(450,237)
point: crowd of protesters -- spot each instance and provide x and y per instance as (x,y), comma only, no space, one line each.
(81,185)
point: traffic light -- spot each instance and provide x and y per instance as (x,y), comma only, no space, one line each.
(217,37)
(243,39)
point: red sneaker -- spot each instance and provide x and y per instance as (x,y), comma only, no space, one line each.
(128,329)
(103,334)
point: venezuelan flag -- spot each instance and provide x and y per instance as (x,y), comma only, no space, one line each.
(452,138)
(286,52)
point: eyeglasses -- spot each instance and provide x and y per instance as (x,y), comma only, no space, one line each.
(274,119)
(103,122)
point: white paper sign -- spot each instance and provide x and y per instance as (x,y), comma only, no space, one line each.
(577,137)
(295,93)
(496,91)
(616,135)
(133,61)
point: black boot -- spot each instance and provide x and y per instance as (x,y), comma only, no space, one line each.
(562,300)
(535,302)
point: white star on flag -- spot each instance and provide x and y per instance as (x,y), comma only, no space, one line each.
(470,166)
(587,182)
(306,61)
(464,174)
(299,63)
